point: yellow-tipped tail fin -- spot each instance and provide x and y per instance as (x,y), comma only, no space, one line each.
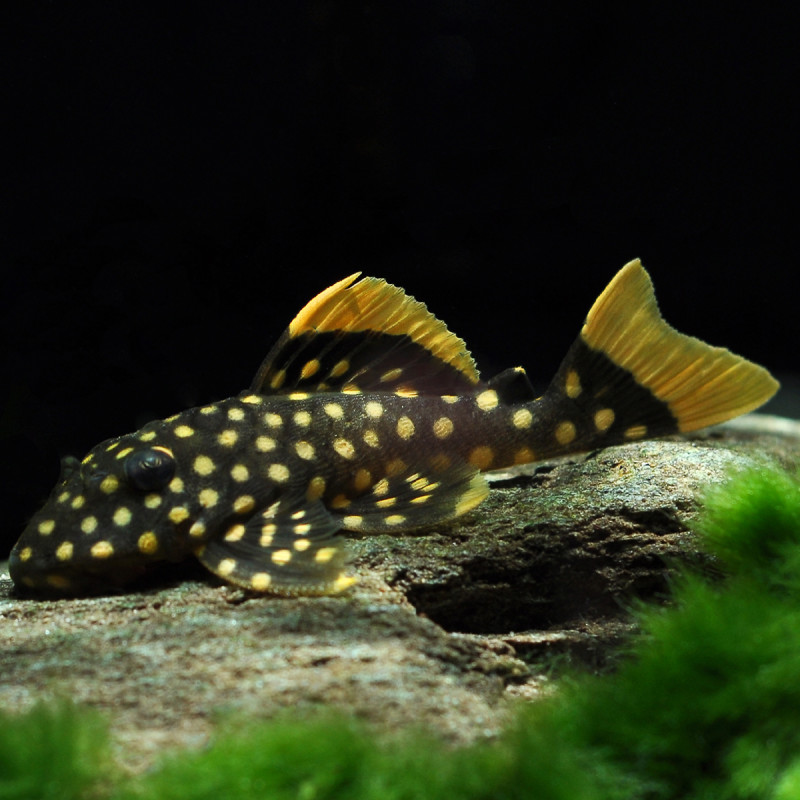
(702,385)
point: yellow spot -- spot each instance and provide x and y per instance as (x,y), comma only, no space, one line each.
(147,543)
(226,567)
(344,448)
(309,368)
(419,483)
(261,581)
(387,502)
(198,528)
(123,453)
(178,514)
(58,581)
(395,519)
(334,410)
(278,472)
(431,486)
(443,427)
(253,399)
(421,499)
(487,400)
(371,438)
(240,473)
(604,419)
(112,446)
(46,527)
(78,501)
(343,582)
(184,431)
(636,432)
(282,556)
(350,388)
(234,533)
(25,554)
(236,414)
(305,450)
(362,480)
(298,396)
(278,378)
(89,524)
(264,444)
(109,484)
(244,504)
(573,384)
(64,551)
(391,375)
(522,418)
(122,516)
(450,398)
(381,487)
(302,527)
(340,501)
(374,409)
(209,409)
(63,497)
(203,465)
(565,432)
(339,368)
(176,485)
(316,488)
(524,456)
(228,438)
(481,457)
(208,497)
(147,436)
(324,554)
(405,427)
(102,549)
(352,521)
(267,535)
(273,420)
(301,544)
(396,467)
(302,418)
(406,391)
(152,500)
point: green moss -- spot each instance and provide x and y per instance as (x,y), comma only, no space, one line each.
(705,704)
(51,753)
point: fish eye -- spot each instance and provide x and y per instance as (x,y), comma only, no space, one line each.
(150,469)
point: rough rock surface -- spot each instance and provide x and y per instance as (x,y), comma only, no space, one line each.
(443,629)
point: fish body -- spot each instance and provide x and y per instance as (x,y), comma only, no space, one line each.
(369,416)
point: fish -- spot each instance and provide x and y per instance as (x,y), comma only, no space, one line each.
(367,416)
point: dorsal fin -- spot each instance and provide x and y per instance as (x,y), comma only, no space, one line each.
(702,385)
(366,336)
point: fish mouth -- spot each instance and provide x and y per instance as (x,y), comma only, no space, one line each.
(63,581)
(68,581)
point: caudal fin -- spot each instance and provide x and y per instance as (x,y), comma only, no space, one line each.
(630,374)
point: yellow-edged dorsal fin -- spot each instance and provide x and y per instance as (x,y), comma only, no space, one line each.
(367,335)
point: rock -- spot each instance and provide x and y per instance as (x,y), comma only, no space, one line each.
(442,628)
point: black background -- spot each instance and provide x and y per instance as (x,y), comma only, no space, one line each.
(177,184)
